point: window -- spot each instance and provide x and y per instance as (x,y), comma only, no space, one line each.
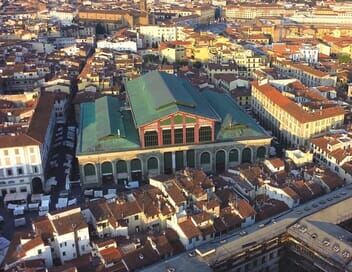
(63,253)
(190,241)
(35,169)
(205,158)
(136,217)
(33,158)
(150,138)
(39,251)
(89,170)
(178,136)
(19,171)
(233,155)
(18,160)
(166,136)
(6,152)
(17,152)
(205,134)
(9,172)
(23,189)
(189,135)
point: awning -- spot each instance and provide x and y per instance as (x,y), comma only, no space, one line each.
(14,197)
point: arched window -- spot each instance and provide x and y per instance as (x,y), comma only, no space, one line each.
(220,159)
(152,163)
(205,134)
(261,151)
(150,138)
(106,168)
(89,170)
(190,158)
(136,165)
(205,158)
(37,185)
(121,167)
(233,155)
(246,155)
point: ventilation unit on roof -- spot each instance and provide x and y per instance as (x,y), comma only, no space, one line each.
(336,248)
(326,242)
(346,254)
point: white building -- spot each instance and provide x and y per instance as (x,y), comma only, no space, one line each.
(309,53)
(66,233)
(24,155)
(154,34)
(27,247)
(335,153)
(65,17)
(118,45)
(275,165)
(285,194)
(298,157)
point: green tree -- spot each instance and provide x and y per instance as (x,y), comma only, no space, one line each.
(344,58)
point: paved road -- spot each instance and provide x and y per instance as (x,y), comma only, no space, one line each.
(231,244)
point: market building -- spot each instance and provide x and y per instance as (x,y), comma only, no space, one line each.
(164,125)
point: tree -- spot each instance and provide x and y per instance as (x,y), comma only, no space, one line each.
(344,58)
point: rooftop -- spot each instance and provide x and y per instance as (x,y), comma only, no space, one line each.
(105,126)
(158,94)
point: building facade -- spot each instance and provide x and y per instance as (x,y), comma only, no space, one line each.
(292,124)
(24,152)
(165,125)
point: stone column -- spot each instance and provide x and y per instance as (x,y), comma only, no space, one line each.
(129,170)
(173,162)
(184,158)
(98,173)
(114,172)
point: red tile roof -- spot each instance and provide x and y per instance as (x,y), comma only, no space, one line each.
(293,109)
(189,229)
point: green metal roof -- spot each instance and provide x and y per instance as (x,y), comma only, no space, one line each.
(110,119)
(235,122)
(104,127)
(158,94)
